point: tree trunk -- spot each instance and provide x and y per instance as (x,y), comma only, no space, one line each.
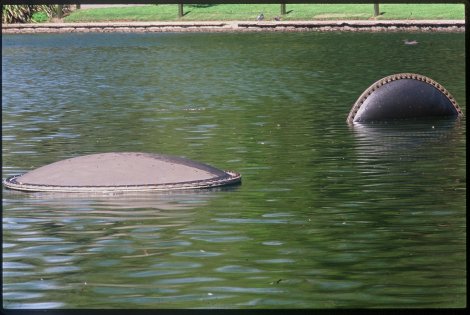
(376,9)
(60,9)
(180,10)
(283,8)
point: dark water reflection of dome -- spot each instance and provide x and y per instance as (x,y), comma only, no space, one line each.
(404,139)
(165,200)
(410,163)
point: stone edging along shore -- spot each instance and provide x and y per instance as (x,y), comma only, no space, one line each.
(243,26)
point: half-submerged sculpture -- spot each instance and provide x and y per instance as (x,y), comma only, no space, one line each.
(403,95)
(122,172)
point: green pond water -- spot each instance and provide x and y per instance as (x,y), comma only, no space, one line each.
(327,215)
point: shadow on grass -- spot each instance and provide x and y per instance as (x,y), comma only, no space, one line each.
(202,5)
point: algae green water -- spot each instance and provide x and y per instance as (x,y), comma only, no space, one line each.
(327,216)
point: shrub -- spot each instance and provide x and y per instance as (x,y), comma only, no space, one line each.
(39,17)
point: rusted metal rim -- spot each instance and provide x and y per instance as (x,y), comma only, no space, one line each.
(230,178)
(394,77)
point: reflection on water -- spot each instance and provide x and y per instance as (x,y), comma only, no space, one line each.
(68,229)
(327,215)
(403,139)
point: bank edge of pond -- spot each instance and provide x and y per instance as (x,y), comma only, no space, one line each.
(243,26)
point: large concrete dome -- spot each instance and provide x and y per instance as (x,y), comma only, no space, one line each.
(120,172)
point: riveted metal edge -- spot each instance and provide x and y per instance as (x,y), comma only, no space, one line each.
(229,179)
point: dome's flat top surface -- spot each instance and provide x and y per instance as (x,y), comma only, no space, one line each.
(120,169)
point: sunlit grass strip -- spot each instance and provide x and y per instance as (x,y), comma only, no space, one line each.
(248,12)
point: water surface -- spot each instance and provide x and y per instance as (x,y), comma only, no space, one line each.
(327,216)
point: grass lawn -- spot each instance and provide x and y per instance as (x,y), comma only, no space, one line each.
(248,12)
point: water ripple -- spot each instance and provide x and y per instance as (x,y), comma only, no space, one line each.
(237,269)
(188,280)
(32,305)
(197,254)
(244,221)
(16,265)
(243,290)
(221,239)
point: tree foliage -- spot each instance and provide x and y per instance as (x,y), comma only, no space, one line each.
(24,13)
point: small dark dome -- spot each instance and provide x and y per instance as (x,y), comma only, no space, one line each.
(403,95)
